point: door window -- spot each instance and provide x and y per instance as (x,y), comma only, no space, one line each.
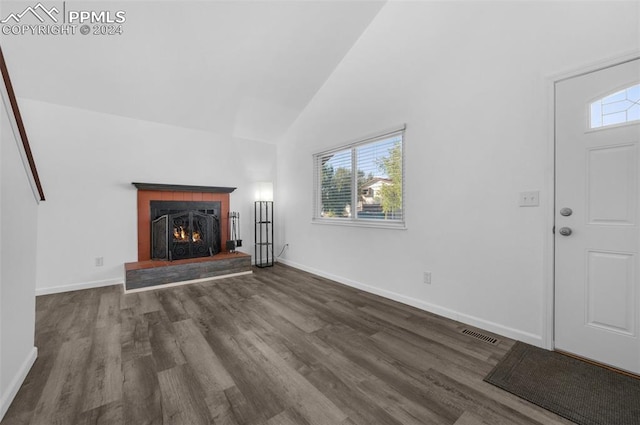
(617,108)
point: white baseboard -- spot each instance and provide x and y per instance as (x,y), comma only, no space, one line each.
(496,328)
(10,393)
(77,286)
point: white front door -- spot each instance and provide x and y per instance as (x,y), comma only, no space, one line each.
(597,241)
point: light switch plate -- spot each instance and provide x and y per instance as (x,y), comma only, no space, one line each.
(529,199)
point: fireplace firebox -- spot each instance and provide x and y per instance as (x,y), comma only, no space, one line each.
(184,229)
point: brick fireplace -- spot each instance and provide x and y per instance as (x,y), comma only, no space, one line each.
(210,204)
(148,192)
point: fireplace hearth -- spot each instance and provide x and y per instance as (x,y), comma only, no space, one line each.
(184,229)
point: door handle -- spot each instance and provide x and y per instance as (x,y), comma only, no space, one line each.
(566,212)
(565,231)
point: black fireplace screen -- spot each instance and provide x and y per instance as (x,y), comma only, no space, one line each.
(182,229)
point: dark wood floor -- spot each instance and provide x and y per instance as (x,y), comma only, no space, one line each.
(279,347)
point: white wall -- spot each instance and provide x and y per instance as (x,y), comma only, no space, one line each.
(470,80)
(87,163)
(18,228)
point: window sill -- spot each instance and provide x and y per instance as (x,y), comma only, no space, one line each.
(397,225)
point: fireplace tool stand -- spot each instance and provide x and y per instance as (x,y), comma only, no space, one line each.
(234,232)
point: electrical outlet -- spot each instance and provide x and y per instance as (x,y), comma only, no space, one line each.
(99,261)
(426,278)
(529,199)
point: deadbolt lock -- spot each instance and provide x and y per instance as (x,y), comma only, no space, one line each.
(566,212)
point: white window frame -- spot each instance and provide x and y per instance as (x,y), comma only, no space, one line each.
(354,220)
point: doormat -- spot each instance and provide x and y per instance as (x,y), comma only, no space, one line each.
(581,392)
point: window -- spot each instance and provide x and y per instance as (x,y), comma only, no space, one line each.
(618,108)
(361,183)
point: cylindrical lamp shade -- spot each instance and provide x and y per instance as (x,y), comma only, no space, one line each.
(264,191)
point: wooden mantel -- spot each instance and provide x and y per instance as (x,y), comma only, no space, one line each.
(182,188)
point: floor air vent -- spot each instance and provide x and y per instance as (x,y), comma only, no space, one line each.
(482,337)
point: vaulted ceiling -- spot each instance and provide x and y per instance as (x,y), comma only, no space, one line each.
(242,69)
